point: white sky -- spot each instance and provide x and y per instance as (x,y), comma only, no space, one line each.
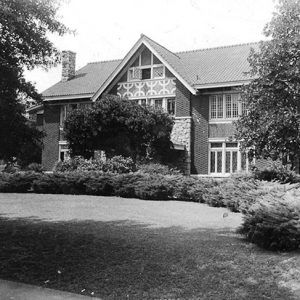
(107,29)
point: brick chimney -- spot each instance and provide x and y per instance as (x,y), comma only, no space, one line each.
(68,65)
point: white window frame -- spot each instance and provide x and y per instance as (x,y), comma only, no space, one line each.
(151,102)
(61,148)
(223,150)
(151,66)
(224,118)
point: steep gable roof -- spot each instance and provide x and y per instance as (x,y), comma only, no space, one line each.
(203,68)
(168,58)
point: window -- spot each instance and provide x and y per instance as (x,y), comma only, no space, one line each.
(226,106)
(146,73)
(158,103)
(146,66)
(134,74)
(171,106)
(63,115)
(165,104)
(64,153)
(226,158)
(216,107)
(158,72)
(146,57)
(143,102)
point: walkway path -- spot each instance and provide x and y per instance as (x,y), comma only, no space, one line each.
(19,291)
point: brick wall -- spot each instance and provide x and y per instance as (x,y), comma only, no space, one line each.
(221,130)
(51,128)
(182,98)
(200,130)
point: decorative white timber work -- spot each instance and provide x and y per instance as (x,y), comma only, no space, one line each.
(139,89)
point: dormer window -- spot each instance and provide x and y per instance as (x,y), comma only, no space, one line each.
(146,66)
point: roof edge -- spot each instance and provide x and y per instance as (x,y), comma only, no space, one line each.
(217,47)
(67,97)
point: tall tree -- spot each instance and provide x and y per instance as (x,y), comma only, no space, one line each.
(24,25)
(119,127)
(271,129)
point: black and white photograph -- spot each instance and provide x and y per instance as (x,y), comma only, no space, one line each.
(149,149)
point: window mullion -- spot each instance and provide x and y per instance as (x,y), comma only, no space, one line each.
(224,106)
(223,158)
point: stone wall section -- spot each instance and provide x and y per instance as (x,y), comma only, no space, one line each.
(181,134)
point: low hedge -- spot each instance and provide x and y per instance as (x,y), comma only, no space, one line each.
(17,182)
(237,194)
(273,222)
(116,164)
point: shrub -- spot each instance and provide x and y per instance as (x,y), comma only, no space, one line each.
(119,164)
(156,168)
(17,182)
(125,185)
(235,193)
(154,188)
(47,184)
(69,165)
(276,171)
(35,167)
(274,221)
(116,164)
(190,188)
(100,185)
(11,168)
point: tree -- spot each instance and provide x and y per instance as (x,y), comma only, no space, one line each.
(119,127)
(271,128)
(24,25)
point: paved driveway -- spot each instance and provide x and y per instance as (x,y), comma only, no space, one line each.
(153,213)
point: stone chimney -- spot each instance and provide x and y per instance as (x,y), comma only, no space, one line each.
(68,65)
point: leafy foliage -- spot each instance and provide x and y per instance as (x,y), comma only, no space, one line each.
(156,168)
(116,164)
(17,182)
(119,127)
(24,43)
(273,222)
(276,171)
(272,126)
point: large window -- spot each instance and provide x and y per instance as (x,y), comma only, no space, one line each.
(166,104)
(226,107)
(226,158)
(146,66)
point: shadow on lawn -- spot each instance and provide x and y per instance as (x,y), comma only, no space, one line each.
(122,260)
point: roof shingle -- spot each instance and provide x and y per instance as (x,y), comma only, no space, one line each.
(86,81)
(197,67)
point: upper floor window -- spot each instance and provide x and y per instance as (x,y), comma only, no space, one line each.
(171,106)
(146,66)
(226,107)
(165,104)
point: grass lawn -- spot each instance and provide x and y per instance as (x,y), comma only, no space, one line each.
(126,260)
